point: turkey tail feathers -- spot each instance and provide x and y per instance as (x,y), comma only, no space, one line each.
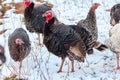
(100,47)
(72,56)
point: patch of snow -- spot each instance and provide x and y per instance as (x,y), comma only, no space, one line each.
(42,65)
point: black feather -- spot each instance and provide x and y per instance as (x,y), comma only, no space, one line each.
(59,37)
(114,9)
(102,47)
(115,14)
(86,37)
(2,54)
(33,17)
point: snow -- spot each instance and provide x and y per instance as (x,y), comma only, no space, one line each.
(42,65)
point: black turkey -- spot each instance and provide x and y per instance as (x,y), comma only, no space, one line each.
(63,41)
(33,17)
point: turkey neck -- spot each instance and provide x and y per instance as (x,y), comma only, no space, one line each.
(28,11)
(47,30)
(91,22)
(91,16)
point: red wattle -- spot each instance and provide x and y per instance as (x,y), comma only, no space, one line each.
(94,7)
(27,3)
(49,16)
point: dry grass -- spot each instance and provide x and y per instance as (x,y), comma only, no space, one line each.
(3,31)
(13,77)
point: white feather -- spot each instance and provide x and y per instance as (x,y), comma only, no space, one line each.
(114,40)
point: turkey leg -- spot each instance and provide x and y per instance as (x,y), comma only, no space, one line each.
(117,58)
(39,40)
(60,69)
(72,64)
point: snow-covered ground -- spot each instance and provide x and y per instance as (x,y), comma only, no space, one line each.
(42,65)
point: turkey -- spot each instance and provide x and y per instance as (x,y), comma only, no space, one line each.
(2,55)
(90,25)
(114,42)
(90,22)
(33,17)
(19,45)
(63,41)
(115,14)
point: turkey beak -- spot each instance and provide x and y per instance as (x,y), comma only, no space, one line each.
(47,12)
(44,15)
(112,21)
(21,42)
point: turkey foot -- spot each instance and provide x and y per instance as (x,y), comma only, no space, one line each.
(73,70)
(118,68)
(59,71)
(40,44)
(117,59)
